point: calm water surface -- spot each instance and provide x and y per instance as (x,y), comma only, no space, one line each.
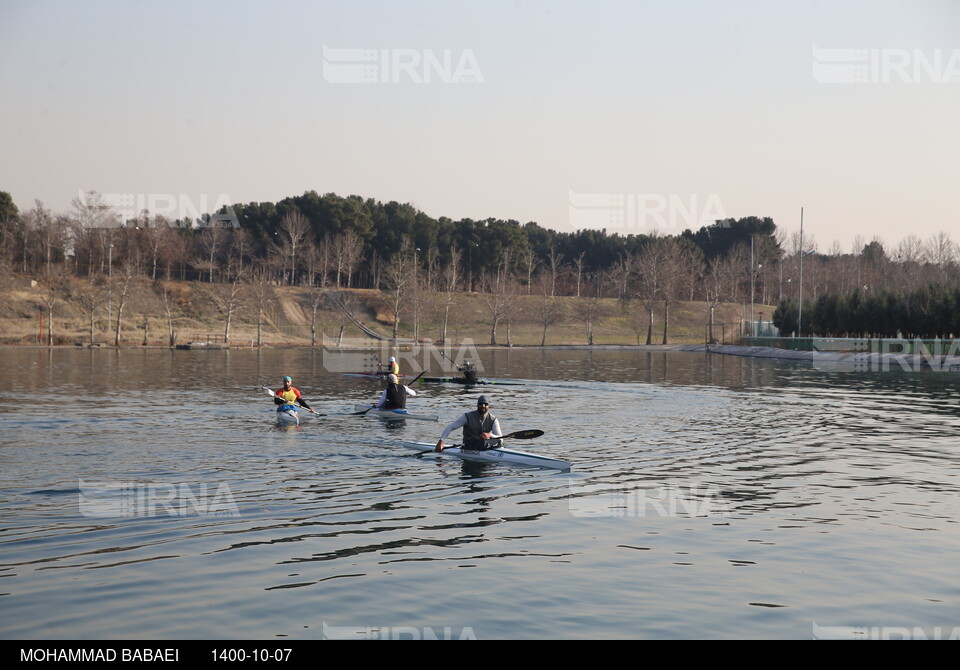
(148,494)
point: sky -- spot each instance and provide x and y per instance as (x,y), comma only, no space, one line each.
(632,116)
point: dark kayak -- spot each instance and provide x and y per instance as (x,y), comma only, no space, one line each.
(464,382)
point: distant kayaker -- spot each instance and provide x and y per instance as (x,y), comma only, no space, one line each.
(288,395)
(393,368)
(394,396)
(469,371)
(481,430)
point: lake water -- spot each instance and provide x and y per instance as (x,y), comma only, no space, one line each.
(149,494)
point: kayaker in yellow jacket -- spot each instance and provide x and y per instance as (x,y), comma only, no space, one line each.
(288,395)
(393,368)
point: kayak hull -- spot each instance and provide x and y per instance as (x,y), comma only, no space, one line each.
(369,375)
(502,455)
(463,382)
(395,414)
(288,417)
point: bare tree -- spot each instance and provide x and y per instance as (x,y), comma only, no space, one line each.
(89,296)
(449,280)
(294,232)
(500,294)
(211,240)
(124,285)
(556,259)
(530,262)
(347,252)
(174,251)
(154,234)
(166,290)
(49,233)
(716,286)
(94,223)
(590,309)
(648,266)
(676,270)
(316,261)
(943,253)
(241,247)
(637,318)
(52,289)
(261,294)
(549,309)
(620,274)
(578,263)
(907,256)
(318,295)
(228,297)
(399,279)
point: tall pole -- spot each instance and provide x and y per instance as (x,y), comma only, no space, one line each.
(800,311)
(752,327)
(416,297)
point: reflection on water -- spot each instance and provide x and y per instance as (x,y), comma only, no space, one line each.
(710,496)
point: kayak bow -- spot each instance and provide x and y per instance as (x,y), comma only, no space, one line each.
(502,455)
(395,413)
(287,416)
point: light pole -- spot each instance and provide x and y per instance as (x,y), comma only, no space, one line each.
(416,298)
(800,306)
(753,274)
(802,254)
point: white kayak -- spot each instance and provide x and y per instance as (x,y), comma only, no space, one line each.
(287,417)
(501,455)
(395,413)
(369,375)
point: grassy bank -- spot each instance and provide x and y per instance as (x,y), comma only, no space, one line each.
(198,315)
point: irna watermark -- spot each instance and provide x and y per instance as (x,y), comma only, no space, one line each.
(885,66)
(643,211)
(372,356)
(400,66)
(397,633)
(172,207)
(886,355)
(599,500)
(103,499)
(885,632)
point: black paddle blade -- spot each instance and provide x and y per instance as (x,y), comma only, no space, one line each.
(524,434)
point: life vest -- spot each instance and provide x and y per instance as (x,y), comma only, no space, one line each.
(476,425)
(291,395)
(396,397)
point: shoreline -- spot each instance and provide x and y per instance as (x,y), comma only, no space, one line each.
(826,360)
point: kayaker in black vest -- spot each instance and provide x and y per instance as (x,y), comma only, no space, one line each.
(481,430)
(395,395)
(469,371)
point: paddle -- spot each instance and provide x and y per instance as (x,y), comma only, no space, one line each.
(274,395)
(374,406)
(523,435)
(519,435)
(417,377)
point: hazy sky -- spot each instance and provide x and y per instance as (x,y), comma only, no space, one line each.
(627,114)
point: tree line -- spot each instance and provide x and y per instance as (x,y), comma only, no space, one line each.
(931,311)
(420,263)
